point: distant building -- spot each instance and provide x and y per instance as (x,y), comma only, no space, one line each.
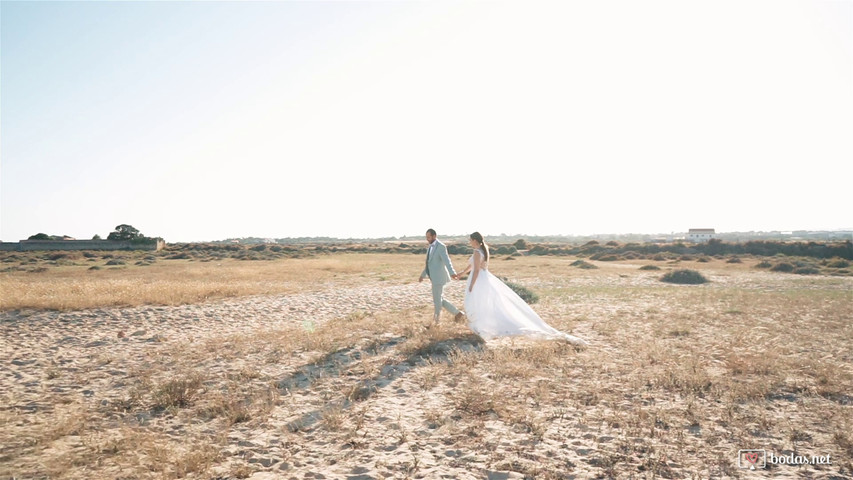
(699,235)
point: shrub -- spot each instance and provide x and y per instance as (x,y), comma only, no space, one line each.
(684,277)
(179,392)
(807,271)
(838,263)
(703,259)
(583,264)
(525,293)
(520,244)
(782,267)
(650,267)
(116,262)
(734,260)
(458,250)
(764,264)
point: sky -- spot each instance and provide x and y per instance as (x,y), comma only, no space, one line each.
(198,121)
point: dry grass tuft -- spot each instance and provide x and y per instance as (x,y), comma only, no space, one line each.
(178,392)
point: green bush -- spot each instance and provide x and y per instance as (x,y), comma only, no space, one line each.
(782,267)
(684,277)
(525,293)
(838,263)
(583,264)
(807,271)
(734,260)
(764,264)
(650,267)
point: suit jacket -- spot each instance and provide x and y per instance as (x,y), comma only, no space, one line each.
(438,267)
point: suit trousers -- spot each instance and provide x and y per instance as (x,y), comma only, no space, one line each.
(439,301)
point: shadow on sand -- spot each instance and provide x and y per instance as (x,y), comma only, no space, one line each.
(334,363)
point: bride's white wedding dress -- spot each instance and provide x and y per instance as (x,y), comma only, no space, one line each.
(494,310)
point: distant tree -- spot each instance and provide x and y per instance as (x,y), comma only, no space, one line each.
(39,236)
(520,244)
(714,246)
(96,237)
(124,232)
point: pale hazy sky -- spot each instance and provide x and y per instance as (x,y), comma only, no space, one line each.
(207,120)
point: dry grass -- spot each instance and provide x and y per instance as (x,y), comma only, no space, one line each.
(176,282)
(677,379)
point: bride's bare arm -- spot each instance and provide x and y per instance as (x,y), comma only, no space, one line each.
(476,270)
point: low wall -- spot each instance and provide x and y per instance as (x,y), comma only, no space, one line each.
(34,245)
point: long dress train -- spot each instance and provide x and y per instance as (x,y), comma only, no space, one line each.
(495,310)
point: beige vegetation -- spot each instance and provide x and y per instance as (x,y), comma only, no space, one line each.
(321,367)
(72,284)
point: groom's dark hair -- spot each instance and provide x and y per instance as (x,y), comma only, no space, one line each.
(431,232)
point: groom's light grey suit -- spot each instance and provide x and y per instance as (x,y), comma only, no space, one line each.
(439,270)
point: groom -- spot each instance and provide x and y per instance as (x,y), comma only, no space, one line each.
(437,267)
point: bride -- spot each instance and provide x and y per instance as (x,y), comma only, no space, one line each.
(493,309)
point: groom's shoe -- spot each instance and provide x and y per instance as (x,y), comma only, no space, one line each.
(460,317)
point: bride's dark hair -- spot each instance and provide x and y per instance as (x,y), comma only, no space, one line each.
(479,239)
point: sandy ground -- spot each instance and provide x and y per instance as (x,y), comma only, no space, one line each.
(377,407)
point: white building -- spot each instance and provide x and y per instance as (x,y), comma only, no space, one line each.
(698,235)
